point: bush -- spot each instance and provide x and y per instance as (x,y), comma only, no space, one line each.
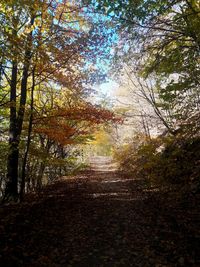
(166,161)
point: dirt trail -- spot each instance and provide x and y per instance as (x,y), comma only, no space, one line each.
(98,219)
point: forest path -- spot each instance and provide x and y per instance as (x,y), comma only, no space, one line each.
(97,219)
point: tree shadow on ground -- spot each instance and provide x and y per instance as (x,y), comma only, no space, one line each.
(96,219)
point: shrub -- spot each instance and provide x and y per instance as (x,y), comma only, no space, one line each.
(166,161)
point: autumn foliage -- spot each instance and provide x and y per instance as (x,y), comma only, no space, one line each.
(68,126)
(48,51)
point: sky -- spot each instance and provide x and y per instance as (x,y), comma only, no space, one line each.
(108,88)
(105,93)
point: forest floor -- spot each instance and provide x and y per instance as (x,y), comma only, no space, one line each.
(99,218)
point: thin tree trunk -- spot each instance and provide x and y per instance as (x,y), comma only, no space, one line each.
(11,190)
(28,138)
(1,71)
(40,175)
(24,82)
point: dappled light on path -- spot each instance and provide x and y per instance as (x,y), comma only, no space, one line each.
(96,218)
(103,164)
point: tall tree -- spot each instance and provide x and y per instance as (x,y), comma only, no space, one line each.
(56,39)
(163,37)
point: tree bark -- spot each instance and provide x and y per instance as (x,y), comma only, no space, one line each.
(16,122)
(13,152)
(23,175)
(40,175)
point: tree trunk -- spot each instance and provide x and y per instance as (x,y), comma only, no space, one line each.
(40,175)
(1,71)
(11,190)
(28,138)
(16,122)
